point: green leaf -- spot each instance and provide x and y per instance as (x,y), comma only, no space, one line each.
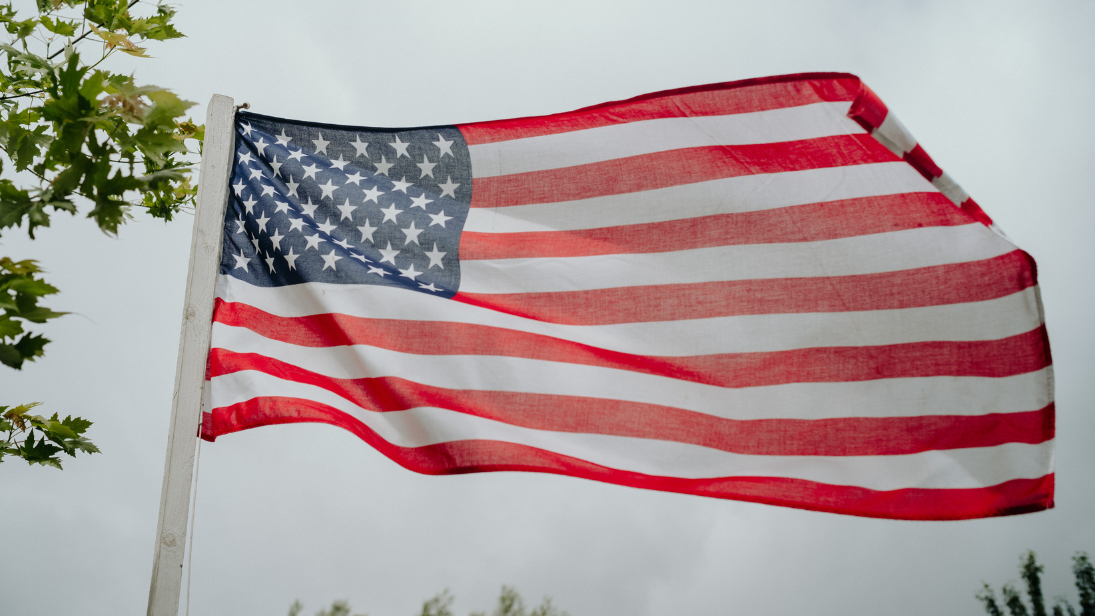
(60,26)
(39,314)
(31,346)
(16,204)
(42,452)
(32,286)
(9,328)
(60,431)
(158,27)
(10,356)
(77,424)
(107,13)
(21,29)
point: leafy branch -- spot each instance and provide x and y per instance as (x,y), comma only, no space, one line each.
(20,288)
(38,440)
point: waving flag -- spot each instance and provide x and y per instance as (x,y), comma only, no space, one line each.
(762,290)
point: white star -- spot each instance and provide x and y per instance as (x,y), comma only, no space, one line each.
(309,208)
(360,257)
(347,210)
(310,171)
(328,190)
(428,287)
(238,187)
(270,262)
(291,258)
(435,257)
(412,234)
(241,261)
(439,219)
(420,201)
(321,146)
(426,166)
(367,231)
(249,205)
(262,222)
(276,240)
(330,259)
(245,158)
(444,145)
(313,241)
(371,195)
(260,145)
(409,273)
(255,173)
(361,146)
(255,241)
(377,270)
(283,139)
(246,129)
(400,148)
(296,224)
(275,165)
(355,178)
(281,206)
(389,254)
(292,186)
(343,243)
(449,188)
(326,227)
(267,190)
(298,155)
(390,214)
(241,222)
(383,166)
(401,185)
(339,164)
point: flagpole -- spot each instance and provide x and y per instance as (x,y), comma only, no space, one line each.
(186,408)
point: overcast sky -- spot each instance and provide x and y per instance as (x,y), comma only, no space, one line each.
(999,93)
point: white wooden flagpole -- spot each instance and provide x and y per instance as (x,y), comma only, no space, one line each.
(186,408)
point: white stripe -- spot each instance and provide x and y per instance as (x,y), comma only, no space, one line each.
(893,134)
(603,143)
(848,256)
(907,397)
(747,193)
(987,320)
(951,189)
(418,427)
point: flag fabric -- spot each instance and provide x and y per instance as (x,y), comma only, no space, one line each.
(763,290)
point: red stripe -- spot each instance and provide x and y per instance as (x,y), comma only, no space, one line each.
(928,286)
(988,358)
(970,207)
(803,223)
(1008,498)
(868,110)
(673,168)
(923,163)
(714,99)
(845,436)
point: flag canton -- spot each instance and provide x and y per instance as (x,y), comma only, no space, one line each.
(346,205)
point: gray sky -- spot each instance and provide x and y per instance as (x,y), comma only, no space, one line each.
(998,92)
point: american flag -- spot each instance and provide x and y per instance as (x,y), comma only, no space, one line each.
(761,290)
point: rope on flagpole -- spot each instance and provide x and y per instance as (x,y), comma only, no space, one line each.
(193,513)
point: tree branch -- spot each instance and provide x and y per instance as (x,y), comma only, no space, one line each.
(8,98)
